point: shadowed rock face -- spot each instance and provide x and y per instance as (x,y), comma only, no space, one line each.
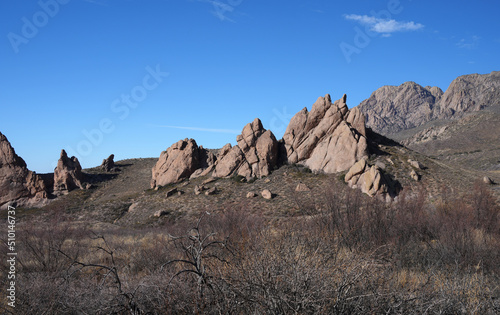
(17,183)
(329,138)
(180,161)
(108,164)
(68,174)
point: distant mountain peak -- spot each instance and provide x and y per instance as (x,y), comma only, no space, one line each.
(391,109)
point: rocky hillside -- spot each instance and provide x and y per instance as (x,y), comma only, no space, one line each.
(327,139)
(392,109)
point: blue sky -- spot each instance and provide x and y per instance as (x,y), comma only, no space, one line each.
(97,77)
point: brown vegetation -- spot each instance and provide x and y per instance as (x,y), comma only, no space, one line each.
(345,254)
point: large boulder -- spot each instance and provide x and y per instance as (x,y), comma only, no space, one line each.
(17,183)
(369,179)
(68,174)
(180,161)
(329,138)
(255,155)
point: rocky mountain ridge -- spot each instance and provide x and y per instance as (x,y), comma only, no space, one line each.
(392,109)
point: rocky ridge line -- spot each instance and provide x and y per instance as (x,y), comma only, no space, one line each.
(391,109)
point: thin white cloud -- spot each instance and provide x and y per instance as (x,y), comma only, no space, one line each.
(235,132)
(468,44)
(384,26)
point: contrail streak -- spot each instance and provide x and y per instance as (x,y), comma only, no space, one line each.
(236,132)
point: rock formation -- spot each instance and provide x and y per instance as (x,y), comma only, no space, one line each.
(108,164)
(68,174)
(369,179)
(17,183)
(255,155)
(329,138)
(180,161)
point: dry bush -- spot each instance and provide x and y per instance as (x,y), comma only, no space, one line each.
(355,256)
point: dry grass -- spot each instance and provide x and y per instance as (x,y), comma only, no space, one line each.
(351,255)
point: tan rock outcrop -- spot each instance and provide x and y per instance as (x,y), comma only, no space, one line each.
(17,183)
(255,155)
(369,179)
(329,138)
(180,161)
(108,164)
(301,187)
(414,175)
(68,174)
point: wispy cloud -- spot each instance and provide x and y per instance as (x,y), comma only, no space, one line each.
(384,26)
(468,44)
(215,130)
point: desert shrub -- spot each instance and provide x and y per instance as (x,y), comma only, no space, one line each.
(351,255)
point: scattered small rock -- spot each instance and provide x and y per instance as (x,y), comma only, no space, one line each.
(267,180)
(184,184)
(133,207)
(380,165)
(266,194)
(414,175)
(180,193)
(198,189)
(211,191)
(172,192)
(196,174)
(415,164)
(209,180)
(160,213)
(251,194)
(487,180)
(302,187)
